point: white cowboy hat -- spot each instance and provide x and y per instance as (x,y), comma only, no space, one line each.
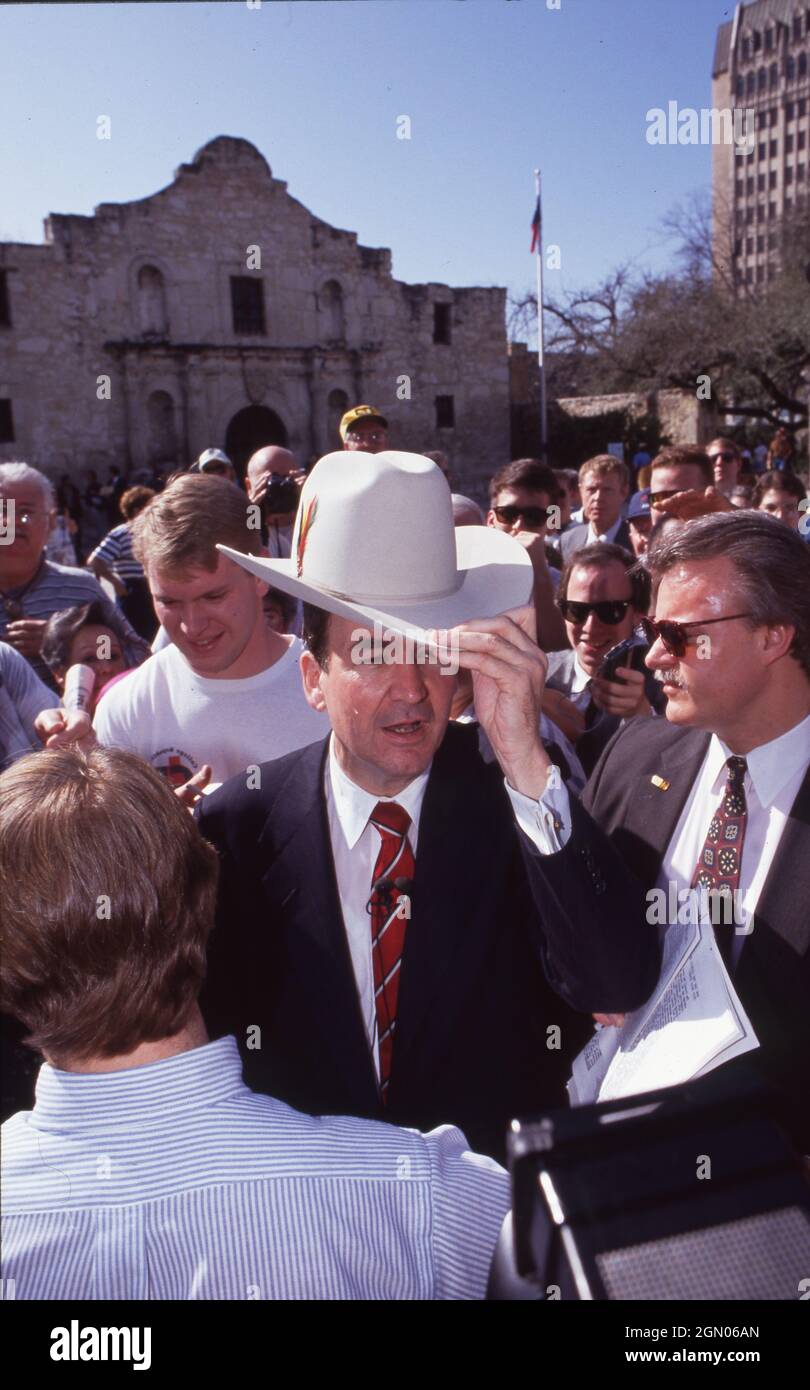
(374,539)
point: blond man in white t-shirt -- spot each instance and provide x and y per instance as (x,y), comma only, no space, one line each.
(225,694)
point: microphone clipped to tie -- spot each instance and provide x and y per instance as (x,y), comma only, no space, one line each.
(390,889)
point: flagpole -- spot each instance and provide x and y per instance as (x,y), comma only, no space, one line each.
(540,342)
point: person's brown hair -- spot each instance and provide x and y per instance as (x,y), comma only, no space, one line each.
(108,893)
(771,561)
(604,466)
(134,500)
(679,455)
(315,632)
(599,556)
(181,527)
(777,482)
(532,474)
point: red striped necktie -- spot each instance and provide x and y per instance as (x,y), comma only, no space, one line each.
(389,918)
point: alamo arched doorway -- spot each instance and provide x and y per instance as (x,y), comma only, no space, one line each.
(250,429)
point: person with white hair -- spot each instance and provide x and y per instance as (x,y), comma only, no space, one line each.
(32,587)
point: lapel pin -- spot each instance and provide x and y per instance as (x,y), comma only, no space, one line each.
(660,782)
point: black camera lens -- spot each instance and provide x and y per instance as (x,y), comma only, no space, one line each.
(281,494)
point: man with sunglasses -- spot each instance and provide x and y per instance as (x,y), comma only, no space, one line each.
(602,596)
(724,457)
(682,484)
(523,503)
(717,794)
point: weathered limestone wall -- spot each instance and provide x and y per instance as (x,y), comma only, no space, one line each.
(140,293)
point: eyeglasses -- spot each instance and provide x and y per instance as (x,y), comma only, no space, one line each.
(533,516)
(609,611)
(675,636)
(656,497)
(367,437)
(726,457)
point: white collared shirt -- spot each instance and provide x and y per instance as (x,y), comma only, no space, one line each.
(609,535)
(355,846)
(775,774)
(580,692)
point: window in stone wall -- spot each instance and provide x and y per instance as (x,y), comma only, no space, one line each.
(247,303)
(445,413)
(161,426)
(337,403)
(332,317)
(441,323)
(152,316)
(6,423)
(5,307)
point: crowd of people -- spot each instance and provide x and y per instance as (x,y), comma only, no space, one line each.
(350,844)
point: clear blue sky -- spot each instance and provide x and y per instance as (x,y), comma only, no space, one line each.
(492,88)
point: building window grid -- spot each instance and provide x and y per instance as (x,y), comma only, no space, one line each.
(247,305)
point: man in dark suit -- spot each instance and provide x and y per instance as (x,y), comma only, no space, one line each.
(603,595)
(604,483)
(718,793)
(394,912)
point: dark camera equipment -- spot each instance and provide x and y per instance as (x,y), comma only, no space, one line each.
(610,1201)
(631,652)
(281,495)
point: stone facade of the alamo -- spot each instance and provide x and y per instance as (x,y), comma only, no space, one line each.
(220,311)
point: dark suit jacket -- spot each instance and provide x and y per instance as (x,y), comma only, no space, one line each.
(601,726)
(575,539)
(773,974)
(493,922)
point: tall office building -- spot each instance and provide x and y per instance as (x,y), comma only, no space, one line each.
(761,64)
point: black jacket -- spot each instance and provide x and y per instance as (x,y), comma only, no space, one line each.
(494,924)
(772,976)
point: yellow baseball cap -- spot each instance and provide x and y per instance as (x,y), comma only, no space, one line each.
(360,412)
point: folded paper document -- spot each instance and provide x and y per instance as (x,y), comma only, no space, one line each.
(692,1023)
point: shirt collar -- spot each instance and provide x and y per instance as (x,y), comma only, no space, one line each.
(770,765)
(608,535)
(82,1101)
(580,677)
(353,805)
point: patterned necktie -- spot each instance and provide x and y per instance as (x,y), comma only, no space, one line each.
(389,918)
(718,868)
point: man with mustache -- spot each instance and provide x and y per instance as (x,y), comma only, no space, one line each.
(717,794)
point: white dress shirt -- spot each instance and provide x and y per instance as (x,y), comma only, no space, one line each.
(355,846)
(775,774)
(609,535)
(580,692)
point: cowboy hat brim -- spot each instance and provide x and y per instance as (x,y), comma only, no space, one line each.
(494,575)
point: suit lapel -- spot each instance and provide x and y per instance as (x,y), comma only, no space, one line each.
(782,906)
(459,832)
(300,886)
(653,810)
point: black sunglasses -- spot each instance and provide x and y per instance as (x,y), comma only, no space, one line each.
(675,636)
(726,457)
(533,516)
(609,611)
(656,497)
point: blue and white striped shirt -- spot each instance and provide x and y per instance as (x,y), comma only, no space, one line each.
(175,1181)
(57,587)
